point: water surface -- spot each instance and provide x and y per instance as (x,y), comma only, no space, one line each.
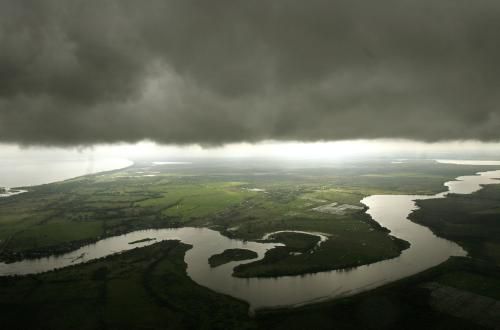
(391,211)
(21,172)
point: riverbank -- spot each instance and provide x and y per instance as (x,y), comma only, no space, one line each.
(149,301)
(426,249)
(8,257)
(305,253)
(470,220)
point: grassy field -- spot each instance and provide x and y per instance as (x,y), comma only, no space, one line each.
(240,201)
(148,287)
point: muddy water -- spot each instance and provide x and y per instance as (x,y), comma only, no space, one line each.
(391,211)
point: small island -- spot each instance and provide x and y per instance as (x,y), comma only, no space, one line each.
(142,240)
(231,255)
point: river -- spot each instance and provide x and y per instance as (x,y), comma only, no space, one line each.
(391,211)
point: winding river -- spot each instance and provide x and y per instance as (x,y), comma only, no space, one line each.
(391,211)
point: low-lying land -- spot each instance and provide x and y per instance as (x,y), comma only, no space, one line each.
(301,254)
(142,240)
(405,304)
(243,203)
(473,221)
(231,255)
(144,288)
(148,288)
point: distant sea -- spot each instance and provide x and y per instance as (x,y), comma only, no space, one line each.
(25,172)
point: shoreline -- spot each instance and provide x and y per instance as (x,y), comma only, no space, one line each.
(369,283)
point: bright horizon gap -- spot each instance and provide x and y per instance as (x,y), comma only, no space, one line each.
(284,150)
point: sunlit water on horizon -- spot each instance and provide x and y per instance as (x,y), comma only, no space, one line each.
(22,172)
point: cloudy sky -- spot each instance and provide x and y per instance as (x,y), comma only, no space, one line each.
(83,72)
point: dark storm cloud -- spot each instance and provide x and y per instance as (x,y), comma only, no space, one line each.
(79,72)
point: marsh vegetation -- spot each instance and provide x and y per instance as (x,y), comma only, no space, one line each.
(231,255)
(59,217)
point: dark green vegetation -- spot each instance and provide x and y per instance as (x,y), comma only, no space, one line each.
(59,217)
(142,240)
(404,304)
(472,220)
(296,242)
(483,283)
(280,260)
(148,288)
(144,288)
(300,254)
(231,255)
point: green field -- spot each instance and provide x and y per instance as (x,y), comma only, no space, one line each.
(241,202)
(148,288)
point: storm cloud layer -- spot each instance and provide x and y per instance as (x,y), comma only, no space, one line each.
(211,72)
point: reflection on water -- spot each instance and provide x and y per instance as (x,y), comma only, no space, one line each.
(390,211)
(472,183)
(7,192)
(26,172)
(469,162)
